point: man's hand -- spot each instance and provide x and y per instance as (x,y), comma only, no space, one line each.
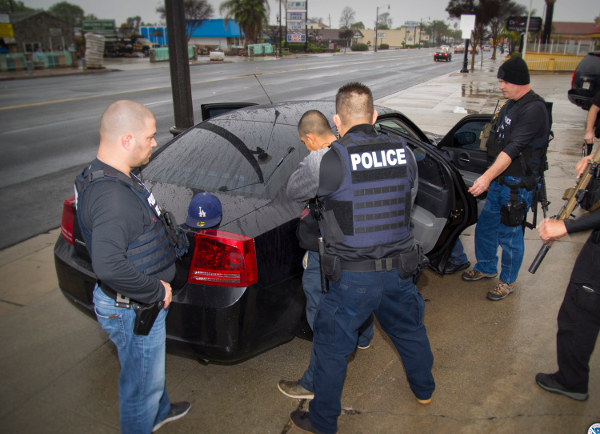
(480,185)
(168,294)
(551,229)
(589,138)
(582,165)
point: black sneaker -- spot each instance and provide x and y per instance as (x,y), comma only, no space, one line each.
(178,410)
(451,268)
(301,421)
(549,383)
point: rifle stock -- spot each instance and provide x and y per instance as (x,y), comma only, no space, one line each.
(568,207)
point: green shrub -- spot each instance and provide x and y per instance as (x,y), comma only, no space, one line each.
(515,54)
(359,47)
(384,47)
(295,46)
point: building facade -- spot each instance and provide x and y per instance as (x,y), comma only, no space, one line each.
(38,29)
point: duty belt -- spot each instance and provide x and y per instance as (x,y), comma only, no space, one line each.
(384,264)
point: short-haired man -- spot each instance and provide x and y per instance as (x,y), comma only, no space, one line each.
(368,208)
(133,259)
(516,152)
(315,133)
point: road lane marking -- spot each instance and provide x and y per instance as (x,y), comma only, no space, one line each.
(193,83)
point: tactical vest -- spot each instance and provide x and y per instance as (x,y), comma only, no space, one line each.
(152,251)
(532,158)
(373,203)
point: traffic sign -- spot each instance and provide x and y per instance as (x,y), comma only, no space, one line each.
(98,25)
(6,30)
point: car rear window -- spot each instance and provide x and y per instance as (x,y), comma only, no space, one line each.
(590,64)
(223,155)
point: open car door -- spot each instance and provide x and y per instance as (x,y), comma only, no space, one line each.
(443,208)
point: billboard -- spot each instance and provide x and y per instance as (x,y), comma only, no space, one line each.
(296,6)
(519,24)
(296,21)
(296,16)
(296,26)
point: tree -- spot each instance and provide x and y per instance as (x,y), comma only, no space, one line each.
(346,35)
(316,20)
(384,21)
(194,11)
(90,17)
(347,18)
(134,23)
(440,29)
(7,6)
(250,15)
(358,25)
(68,12)
(506,8)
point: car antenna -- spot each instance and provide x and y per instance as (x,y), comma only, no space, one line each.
(276,111)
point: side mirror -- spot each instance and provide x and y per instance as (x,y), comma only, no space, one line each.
(465,138)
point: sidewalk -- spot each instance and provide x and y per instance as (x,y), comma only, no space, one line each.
(60,370)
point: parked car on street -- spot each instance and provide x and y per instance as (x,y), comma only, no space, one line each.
(586,81)
(459,49)
(238,290)
(443,54)
(471,49)
(487,48)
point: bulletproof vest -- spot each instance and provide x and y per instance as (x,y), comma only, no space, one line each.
(373,203)
(532,157)
(152,251)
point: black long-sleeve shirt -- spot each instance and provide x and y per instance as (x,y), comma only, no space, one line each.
(584,223)
(117,217)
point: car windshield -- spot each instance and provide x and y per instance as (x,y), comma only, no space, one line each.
(224,155)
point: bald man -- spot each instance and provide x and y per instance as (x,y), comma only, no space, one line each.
(128,241)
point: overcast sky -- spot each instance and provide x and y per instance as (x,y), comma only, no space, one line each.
(400,11)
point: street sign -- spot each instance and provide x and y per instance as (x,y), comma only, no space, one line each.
(4,18)
(98,25)
(467,25)
(296,15)
(6,30)
(296,6)
(519,24)
(411,23)
(296,25)
(296,37)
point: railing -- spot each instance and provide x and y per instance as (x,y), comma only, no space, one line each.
(551,62)
(579,48)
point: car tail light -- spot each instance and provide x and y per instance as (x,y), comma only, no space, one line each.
(223,259)
(572,80)
(68,216)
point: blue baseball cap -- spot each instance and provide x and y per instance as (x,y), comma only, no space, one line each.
(205,211)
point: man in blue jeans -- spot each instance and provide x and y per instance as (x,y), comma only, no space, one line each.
(315,132)
(134,261)
(516,152)
(367,182)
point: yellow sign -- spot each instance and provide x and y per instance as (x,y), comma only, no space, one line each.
(6,31)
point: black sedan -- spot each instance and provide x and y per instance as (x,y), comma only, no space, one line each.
(238,291)
(443,54)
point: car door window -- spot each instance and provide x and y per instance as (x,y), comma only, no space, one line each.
(396,125)
(468,136)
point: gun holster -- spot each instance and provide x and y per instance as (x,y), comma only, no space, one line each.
(412,263)
(513,213)
(145,315)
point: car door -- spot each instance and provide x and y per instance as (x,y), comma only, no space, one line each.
(443,208)
(462,144)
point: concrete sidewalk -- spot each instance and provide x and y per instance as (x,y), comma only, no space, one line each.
(60,370)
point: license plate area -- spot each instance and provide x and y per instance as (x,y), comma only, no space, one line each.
(585,85)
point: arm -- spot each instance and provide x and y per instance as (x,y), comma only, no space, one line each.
(589,124)
(482,183)
(304,182)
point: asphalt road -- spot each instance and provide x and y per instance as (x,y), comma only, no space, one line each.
(50,125)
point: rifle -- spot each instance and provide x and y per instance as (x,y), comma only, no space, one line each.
(572,196)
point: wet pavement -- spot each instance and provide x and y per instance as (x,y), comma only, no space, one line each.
(60,371)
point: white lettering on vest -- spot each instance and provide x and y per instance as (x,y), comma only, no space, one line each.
(151,200)
(391,158)
(401,156)
(383,160)
(367,162)
(375,162)
(355,160)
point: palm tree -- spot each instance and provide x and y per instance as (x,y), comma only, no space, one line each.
(250,15)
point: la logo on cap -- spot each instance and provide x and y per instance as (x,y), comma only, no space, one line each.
(201,213)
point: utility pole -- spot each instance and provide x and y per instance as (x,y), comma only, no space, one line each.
(377,24)
(179,66)
(280,53)
(306,29)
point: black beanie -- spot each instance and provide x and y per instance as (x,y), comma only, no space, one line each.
(514,71)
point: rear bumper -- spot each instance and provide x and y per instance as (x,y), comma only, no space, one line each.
(218,324)
(579,99)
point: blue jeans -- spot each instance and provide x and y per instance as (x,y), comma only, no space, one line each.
(458,255)
(143,399)
(490,233)
(311,282)
(350,301)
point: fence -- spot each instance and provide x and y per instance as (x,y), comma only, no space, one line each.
(18,61)
(555,62)
(581,48)
(162,54)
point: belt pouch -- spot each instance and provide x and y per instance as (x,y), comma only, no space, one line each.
(332,267)
(408,263)
(145,315)
(512,214)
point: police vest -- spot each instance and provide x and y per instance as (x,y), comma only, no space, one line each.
(152,251)
(373,203)
(532,157)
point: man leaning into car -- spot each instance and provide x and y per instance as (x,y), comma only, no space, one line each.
(134,261)
(516,152)
(367,183)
